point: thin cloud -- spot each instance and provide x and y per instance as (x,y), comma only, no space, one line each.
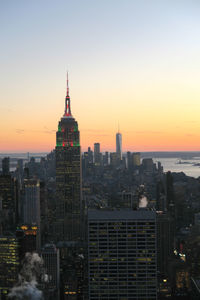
(144,132)
(94,130)
(97,135)
(22,131)
(189,134)
(19,131)
(151,132)
(49,131)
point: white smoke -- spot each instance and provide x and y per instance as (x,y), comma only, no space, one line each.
(26,288)
(143,202)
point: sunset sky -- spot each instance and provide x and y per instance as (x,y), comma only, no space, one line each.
(132,62)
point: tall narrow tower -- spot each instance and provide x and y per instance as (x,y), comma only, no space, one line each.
(119,145)
(68,177)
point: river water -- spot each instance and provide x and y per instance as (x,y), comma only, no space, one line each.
(176,165)
(172,164)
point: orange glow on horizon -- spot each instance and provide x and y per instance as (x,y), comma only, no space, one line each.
(131,141)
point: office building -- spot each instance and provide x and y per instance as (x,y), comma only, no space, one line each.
(119,145)
(31,205)
(7,192)
(6,165)
(68,177)
(148,165)
(90,155)
(114,159)
(50,255)
(9,264)
(8,202)
(122,254)
(136,159)
(129,160)
(129,199)
(29,239)
(105,159)
(164,242)
(20,165)
(97,154)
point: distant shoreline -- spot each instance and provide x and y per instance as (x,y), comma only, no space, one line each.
(146,154)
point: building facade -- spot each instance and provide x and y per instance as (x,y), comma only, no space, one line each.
(68,177)
(9,264)
(50,255)
(119,145)
(122,255)
(97,154)
(31,205)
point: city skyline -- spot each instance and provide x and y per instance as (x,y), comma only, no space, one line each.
(134,62)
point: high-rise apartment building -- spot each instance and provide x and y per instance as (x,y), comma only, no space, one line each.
(68,177)
(122,255)
(119,145)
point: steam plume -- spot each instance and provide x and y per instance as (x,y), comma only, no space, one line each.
(26,288)
(143,202)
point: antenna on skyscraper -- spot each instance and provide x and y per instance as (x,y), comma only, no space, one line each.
(118,126)
(67,85)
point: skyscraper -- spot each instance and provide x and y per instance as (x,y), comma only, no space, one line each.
(31,210)
(6,165)
(68,177)
(31,205)
(97,154)
(119,145)
(9,264)
(8,202)
(50,255)
(122,255)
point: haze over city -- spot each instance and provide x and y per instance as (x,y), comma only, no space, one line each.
(132,62)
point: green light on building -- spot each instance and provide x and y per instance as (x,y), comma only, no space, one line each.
(59,144)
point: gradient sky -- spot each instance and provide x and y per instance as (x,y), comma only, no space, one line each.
(132,62)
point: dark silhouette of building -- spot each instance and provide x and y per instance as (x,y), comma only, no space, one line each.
(50,255)
(68,177)
(97,154)
(28,236)
(119,145)
(90,155)
(8,202)
(9,264)
(6,165)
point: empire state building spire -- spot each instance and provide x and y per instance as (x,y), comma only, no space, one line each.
(67,102)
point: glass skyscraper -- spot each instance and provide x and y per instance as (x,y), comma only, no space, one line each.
(119,145)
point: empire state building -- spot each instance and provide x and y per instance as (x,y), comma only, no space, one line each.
(68,177)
